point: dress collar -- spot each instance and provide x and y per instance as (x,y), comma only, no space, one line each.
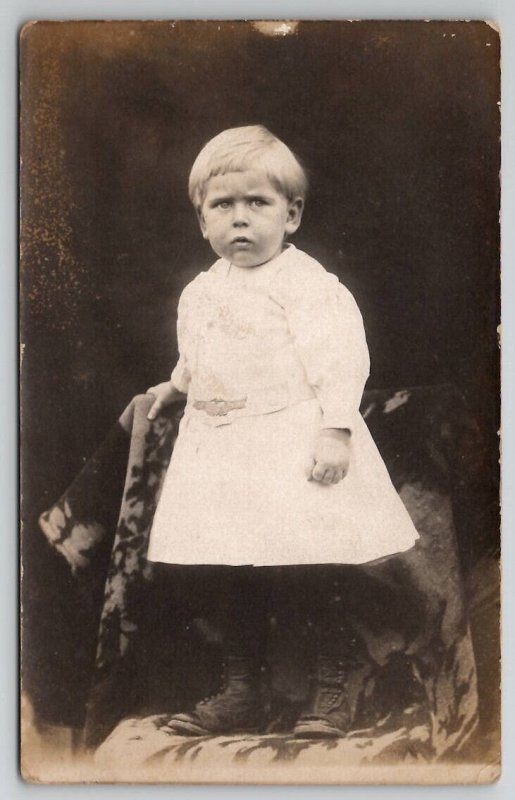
(223,266)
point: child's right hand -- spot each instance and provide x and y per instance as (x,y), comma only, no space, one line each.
(165,394)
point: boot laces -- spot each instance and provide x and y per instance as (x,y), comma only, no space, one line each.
(228,685)
(330,683)
(223,686)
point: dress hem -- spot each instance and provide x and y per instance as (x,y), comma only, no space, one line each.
(221,563)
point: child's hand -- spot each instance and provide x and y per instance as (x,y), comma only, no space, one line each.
(331,456)
(165,393)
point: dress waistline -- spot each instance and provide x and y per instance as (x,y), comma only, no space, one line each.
(222,411)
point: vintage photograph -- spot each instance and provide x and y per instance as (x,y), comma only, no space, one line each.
(259,387)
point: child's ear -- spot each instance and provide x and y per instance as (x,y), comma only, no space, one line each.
(294,215)
(201,222)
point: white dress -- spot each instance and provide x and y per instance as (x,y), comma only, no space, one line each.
(268,357)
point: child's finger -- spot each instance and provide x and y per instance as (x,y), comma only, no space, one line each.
(154,410)
(319,472)
(328,476)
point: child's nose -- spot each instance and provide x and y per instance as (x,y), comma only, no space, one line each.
(240,216)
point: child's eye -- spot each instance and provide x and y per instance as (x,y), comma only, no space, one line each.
(258,202)
(223,204)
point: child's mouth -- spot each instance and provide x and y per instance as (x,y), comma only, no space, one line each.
(241,240)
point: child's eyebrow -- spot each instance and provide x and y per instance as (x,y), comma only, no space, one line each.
(220,198)
(228,198)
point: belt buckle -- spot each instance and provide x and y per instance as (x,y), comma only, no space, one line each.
(218,407)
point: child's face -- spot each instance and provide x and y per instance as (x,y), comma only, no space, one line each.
(245,219)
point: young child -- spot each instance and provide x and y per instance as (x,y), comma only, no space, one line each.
(273,465)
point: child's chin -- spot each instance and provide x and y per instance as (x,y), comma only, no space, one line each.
(246,261)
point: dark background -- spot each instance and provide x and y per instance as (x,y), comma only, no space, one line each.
(398,126)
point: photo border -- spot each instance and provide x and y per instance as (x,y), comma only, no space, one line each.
(14,15)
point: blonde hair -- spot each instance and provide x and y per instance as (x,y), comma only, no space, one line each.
(239,149)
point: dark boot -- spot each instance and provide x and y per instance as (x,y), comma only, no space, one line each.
(328,713)
(236,708)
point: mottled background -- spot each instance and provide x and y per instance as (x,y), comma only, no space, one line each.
(398,126)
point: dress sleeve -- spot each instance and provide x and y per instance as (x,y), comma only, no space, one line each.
(181,376)
(329,336)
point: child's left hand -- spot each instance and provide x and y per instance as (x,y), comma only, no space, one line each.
(331,456)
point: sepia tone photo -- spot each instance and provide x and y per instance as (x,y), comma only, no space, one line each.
(259,299)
